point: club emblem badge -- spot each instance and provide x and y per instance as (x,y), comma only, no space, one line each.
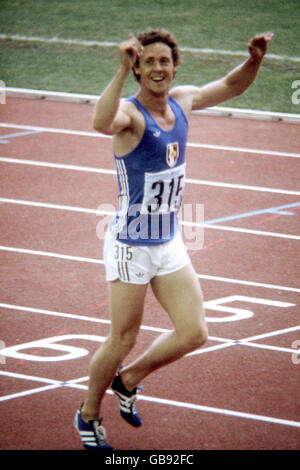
(172,154)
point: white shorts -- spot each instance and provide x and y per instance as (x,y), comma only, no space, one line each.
(139,264)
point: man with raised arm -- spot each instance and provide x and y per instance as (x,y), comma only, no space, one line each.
(143,244)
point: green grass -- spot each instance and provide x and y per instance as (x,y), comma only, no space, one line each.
(196,23)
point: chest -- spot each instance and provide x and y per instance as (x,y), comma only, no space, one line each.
(165,121)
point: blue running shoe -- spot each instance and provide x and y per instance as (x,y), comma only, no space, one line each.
(92,433)
(127,401)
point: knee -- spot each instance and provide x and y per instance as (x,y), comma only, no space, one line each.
(123,341)
(197,338)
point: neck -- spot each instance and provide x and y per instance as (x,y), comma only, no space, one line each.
(154,102)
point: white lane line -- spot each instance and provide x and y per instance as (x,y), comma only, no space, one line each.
(28,392)
(30,377)
(99,212)
(244,150)
(163,401)
(59,166)
(52,385)
(46,205)
(55,130)
(88,43)
(226,342)
(247,283)
(51,255)
(104,171)
(189,144)
(75,317)
(272,333)
(266,346)
(222,111)
(98,261)
(220,184)
(222,411)
(248,231)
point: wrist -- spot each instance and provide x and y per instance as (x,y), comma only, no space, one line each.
(255,59)
(124,71)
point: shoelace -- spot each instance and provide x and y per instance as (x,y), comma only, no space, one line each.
(100,432)
(130,402)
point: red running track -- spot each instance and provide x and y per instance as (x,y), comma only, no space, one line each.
(241,391)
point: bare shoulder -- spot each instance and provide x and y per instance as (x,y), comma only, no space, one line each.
(184,96)
(136,117)
(126,118)
(128,138)
(127,107)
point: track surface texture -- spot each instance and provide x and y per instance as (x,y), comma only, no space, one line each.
(241,391)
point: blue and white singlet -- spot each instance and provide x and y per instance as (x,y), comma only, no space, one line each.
(151,181)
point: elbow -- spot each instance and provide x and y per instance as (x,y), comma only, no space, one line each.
(101,127)
(97,125)
(98,128)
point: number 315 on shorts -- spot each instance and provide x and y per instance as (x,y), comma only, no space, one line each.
(123,252)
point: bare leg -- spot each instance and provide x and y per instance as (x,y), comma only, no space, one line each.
(180,295)
(126,310)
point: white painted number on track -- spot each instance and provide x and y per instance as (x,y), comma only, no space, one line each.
(70,352)
(75,352)
(238,313)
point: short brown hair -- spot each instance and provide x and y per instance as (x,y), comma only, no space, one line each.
(151,36)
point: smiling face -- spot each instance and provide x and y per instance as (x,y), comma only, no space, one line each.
(156,68)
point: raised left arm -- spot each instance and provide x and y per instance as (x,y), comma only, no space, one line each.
(233,84)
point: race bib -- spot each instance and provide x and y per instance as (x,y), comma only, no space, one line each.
(163,191)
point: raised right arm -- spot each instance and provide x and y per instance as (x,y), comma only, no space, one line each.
(110,114)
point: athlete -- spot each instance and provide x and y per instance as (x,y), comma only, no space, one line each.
(143,243)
